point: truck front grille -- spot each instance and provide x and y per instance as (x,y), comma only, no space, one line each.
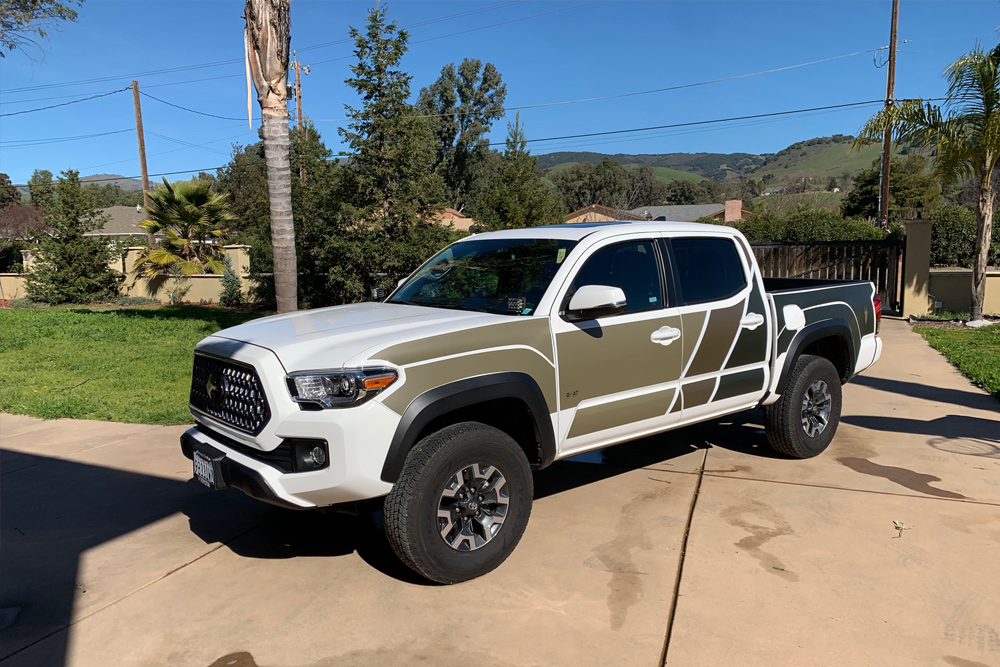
(230,392)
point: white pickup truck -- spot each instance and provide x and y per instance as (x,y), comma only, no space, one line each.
(510,350)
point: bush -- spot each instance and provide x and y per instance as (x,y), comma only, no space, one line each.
(24,302)
(231,295)
(805,226)
(953,238)
(11,260)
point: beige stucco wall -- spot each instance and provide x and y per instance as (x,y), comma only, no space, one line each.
(203,287)
(11,286)
(953,288)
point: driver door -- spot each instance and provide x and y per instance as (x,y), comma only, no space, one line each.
(618,375)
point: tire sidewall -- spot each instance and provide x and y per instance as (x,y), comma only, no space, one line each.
(462,448)
(814,368)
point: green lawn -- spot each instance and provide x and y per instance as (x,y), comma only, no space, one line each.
(975,352)
(116,364)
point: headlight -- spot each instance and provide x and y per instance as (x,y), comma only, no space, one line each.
(339,389)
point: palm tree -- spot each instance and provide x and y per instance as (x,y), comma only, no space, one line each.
(965,137)
(267,37)
(191,218)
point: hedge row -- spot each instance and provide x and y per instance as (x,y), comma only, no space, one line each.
(953,238)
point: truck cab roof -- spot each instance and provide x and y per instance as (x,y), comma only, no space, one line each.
(578,231)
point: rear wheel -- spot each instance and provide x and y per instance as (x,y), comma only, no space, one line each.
(803,421)
(461,503)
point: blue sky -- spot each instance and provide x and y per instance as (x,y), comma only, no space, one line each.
(547,51)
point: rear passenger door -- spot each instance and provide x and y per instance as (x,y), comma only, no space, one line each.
(618,374)
(726,342)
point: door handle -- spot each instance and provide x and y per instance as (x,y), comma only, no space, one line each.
(665,335)
(751,321)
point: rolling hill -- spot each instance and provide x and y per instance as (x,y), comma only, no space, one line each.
(816,158)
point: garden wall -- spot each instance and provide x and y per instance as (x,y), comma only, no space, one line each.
(953,288)
(202,287)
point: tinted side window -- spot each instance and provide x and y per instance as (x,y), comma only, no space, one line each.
(631,266)
(708,269)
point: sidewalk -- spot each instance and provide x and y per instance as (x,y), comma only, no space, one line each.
(111,554)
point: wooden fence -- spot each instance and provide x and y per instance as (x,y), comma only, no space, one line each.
(881,262)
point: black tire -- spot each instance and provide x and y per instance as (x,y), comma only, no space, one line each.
(788,421)
(429,474)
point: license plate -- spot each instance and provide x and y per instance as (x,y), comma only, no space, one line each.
(204,471)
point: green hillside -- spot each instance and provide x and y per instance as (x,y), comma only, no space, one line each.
(663,174)
(818,159)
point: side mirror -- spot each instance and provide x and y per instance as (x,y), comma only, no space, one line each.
(400,282)
(593,301)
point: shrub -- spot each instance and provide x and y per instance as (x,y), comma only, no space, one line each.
(231,295)
(72,267)
(24,302)
(807,225)
(11,260)
(953,238)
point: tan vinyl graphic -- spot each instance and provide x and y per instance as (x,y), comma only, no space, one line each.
(693,322)
(425,377)
(698,392)
(723,325)
(740,383)
(530,331)
(618,413)
(605,360)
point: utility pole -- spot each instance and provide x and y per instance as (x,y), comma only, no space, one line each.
(890,85)
(142,154)
(299,68)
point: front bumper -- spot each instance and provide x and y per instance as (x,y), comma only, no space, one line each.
(230,474)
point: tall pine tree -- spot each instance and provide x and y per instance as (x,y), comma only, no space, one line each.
(72,267)
(517,197)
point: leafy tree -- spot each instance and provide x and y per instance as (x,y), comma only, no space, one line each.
(576,185)
(191,219)
(267,37)
(965,137)
(112,194)
(644,189)
(611,184)
(683,193)
(953,238)
(462,105)
(20,19)
(231,294)
(72,267)
(911,184)
(41,190)
(516,197)
(9,194)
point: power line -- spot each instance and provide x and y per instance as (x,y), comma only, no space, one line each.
(188,144)
(699,122)
(633,94)
(200,113)
(53,106)
(165,173)
(233,61)
(26,143)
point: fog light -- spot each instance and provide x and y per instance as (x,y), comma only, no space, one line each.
(317,456)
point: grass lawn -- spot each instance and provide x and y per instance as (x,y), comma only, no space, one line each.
(975,352)
(116,364)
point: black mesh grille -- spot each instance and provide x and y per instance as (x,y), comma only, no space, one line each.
(229,392)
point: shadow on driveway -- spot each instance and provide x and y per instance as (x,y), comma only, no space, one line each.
(52,511)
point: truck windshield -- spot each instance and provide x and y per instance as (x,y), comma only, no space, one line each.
(503,276)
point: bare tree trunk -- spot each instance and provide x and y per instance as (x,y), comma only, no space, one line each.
(279,190)
(267,38)
(983,235)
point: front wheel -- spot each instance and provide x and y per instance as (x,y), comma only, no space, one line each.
(803,421)
(461,503)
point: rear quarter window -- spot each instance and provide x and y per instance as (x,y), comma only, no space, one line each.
(708,269)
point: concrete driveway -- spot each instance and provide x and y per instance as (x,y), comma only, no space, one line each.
(699,545)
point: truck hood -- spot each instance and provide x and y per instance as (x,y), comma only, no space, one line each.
(341,336)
